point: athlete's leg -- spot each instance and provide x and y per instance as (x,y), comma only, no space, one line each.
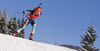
(21,28)
(34,26)
(33,29)
(26,23)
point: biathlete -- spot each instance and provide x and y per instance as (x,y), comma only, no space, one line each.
(33,14)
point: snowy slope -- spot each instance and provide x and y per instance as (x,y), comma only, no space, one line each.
(10,43)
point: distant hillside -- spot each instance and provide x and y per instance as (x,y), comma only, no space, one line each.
(72,47)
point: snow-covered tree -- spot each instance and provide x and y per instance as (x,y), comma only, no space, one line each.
(89,38)
(15,28)
(10,26)
(19,24)
(5,23)
(0,22)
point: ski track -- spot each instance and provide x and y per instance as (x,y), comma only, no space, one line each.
(10,43)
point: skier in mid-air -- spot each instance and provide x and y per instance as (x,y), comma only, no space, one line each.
(33,14)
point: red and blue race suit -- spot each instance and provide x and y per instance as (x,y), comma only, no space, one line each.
(30,20)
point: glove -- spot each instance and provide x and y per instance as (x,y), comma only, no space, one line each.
(23,12)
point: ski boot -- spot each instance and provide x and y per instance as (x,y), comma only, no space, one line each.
(30,38)
(14,33)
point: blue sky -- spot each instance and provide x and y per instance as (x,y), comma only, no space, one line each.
(62,21)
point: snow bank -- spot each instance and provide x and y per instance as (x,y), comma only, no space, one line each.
(10,43)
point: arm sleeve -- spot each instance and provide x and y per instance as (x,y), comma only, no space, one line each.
(28,11)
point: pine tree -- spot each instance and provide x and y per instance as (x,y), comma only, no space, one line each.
(89,38)
(19,24)
(10,26)
(15,25)
(0,23)
(56,43)
(5,23)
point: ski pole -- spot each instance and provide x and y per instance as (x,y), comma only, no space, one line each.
(39,4)
(23,14)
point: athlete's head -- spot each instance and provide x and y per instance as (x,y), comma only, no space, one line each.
(38,10)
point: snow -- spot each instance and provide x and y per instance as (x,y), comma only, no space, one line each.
(10,43)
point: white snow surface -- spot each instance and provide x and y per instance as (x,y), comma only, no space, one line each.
(10,43)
